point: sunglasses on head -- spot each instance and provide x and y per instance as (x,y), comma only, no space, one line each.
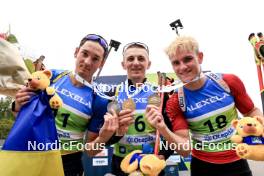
(136,44)
(99,39)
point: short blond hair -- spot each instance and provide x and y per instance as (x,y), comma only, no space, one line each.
(180,44)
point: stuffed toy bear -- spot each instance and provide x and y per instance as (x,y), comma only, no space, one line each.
(35,124)
(35,121)
(40,80)
(149,164)
(249,138)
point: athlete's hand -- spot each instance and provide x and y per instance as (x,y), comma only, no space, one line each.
(154,117)
(125,118)
(23,96)
(110,126)
(260,119)
(162,157)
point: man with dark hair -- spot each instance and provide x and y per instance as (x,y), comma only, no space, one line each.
(82,108)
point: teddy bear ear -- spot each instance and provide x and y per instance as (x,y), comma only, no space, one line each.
(234,122)
(259,118)
(48,73)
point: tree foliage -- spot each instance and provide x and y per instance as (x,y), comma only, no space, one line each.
(5,126)
(6,116)
(5,107)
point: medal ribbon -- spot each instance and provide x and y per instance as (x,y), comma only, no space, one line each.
(93,86)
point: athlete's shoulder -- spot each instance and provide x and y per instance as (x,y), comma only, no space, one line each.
(56,73)
(99,105)
(98,100)
(232,80)
(229,77)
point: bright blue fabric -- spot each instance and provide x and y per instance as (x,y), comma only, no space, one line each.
(253,140)
(34,123)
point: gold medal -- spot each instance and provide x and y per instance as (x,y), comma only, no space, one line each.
(113,105)
(129,104)
(154,100)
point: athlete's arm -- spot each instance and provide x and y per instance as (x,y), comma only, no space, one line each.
(96,142)
(242,100)
(180,134)
(125,118)
(103,125)
(22,97)
(164,151)
(180,131)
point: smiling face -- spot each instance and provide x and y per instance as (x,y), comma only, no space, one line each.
(89,57)
(185,58)
(136,62)
(186,65)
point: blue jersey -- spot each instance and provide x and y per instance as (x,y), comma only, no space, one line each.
(79,112)
(209,112)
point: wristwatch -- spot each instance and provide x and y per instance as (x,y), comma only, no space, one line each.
(13,106)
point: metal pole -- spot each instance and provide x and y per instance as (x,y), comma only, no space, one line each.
(258,60)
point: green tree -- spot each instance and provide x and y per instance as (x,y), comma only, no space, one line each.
(5,127)
(5,107)
(6,116)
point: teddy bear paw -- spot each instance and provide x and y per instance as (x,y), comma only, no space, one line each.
(136,173)
(50,90)
(242,150)
(55,102)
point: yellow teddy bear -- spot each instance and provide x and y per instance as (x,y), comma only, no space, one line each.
(249,138)
(149,164)
(40,80)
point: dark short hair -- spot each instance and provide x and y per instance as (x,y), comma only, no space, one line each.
(95,38)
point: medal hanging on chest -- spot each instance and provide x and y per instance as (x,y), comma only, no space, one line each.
(129,102)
